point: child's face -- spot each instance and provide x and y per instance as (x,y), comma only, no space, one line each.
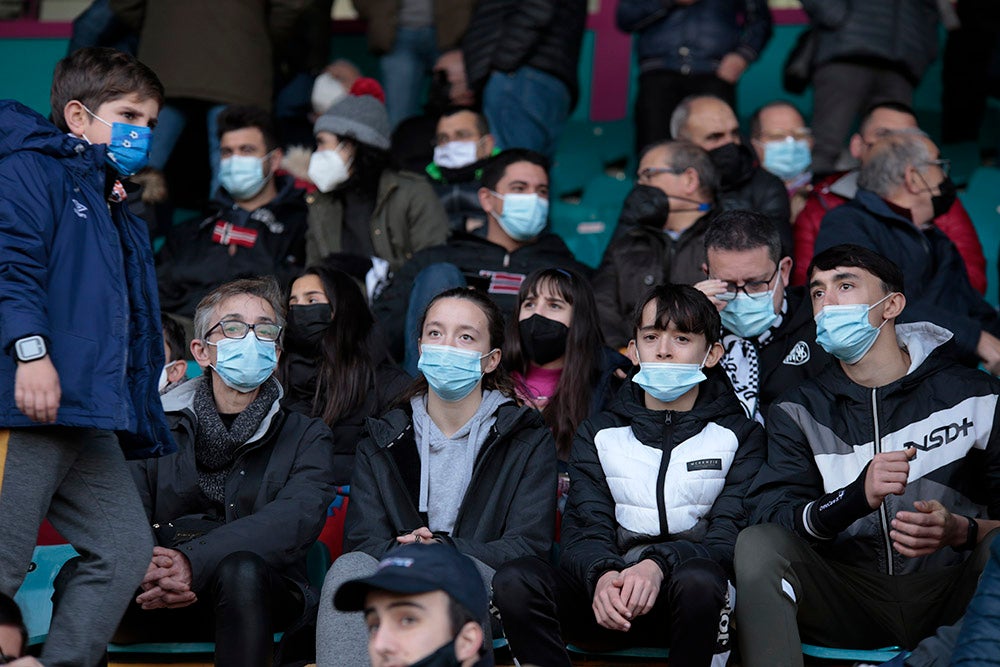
(653,344)
(130,109)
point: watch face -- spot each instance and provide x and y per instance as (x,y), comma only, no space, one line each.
(30,348)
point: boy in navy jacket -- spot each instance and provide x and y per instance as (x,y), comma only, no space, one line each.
(81,340)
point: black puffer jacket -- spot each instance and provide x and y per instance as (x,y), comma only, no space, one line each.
(508,510)
(641,257)
(276,494)
(703,460)
(505,35)
(232,243)
(823,434)
(901,34)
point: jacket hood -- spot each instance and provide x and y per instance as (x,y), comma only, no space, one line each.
(716,400)
(927,345)
(23,129)
(180,400)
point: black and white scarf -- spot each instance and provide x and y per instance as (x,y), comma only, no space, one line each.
(215,444)
(743,368)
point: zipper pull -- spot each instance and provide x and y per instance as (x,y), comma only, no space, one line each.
(668,419)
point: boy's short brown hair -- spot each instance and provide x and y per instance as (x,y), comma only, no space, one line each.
(95,75)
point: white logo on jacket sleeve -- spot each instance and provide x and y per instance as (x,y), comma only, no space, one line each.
(690,487)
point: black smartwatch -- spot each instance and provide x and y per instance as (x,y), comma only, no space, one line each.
(973,538)
(30,348)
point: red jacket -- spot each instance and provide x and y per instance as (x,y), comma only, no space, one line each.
(836,189)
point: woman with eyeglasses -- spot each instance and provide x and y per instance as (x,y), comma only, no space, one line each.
(458,462)
(236,509)
(335,365)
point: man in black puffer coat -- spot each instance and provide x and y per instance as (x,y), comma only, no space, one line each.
(521,60)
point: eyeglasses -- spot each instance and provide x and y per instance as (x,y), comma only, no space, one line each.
(647,174)
(944,164)
(264,331)
(755,289)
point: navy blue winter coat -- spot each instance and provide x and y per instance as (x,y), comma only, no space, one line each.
(78,271)
(692,39)
(935,282)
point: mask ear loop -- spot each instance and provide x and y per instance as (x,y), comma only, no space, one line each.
(879,327)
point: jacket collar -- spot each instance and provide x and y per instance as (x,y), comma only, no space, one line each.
(180,400)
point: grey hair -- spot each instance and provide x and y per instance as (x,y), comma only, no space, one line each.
(885,169)
(685,155)
(679,118)
(264,287)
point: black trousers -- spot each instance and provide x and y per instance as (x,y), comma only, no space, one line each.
(660,91)
(245,603)
(543,608)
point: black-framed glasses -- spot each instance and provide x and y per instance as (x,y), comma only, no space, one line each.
(264,331)
(755,289)
(943,163)
(647,174)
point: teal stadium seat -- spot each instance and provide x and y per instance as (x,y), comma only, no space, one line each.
(982,201)
(585,229)
(35,595)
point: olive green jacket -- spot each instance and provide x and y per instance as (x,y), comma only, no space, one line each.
(408,217)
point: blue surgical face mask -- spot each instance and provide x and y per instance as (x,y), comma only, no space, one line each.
(787,158)
(128,150)
(244,363)
(845,332)
(451,373)
(667,381)
(524,215)
(243,176)
(749,316)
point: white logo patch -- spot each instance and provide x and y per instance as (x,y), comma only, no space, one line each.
(80,209)
(799,355)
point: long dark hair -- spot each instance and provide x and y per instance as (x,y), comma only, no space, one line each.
(499,378)
(367,167)
(351,349)
(581,368)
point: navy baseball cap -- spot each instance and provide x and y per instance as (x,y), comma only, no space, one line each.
(420,568)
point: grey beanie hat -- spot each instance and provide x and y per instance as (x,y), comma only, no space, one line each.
(360,118)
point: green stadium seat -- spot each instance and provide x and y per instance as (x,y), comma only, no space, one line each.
(982,201)
(35,595)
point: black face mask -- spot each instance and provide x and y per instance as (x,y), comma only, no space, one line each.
(734,162)
(306,326)
(943,202)
(443,657)
(645,206)
(544,340)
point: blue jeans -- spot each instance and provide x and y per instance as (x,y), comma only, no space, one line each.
(526,109)
(168,130)
(430,282)
(405,70)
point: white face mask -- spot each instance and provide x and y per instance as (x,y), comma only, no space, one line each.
(326,92)
(327,170)
(162,384)
(455,154)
